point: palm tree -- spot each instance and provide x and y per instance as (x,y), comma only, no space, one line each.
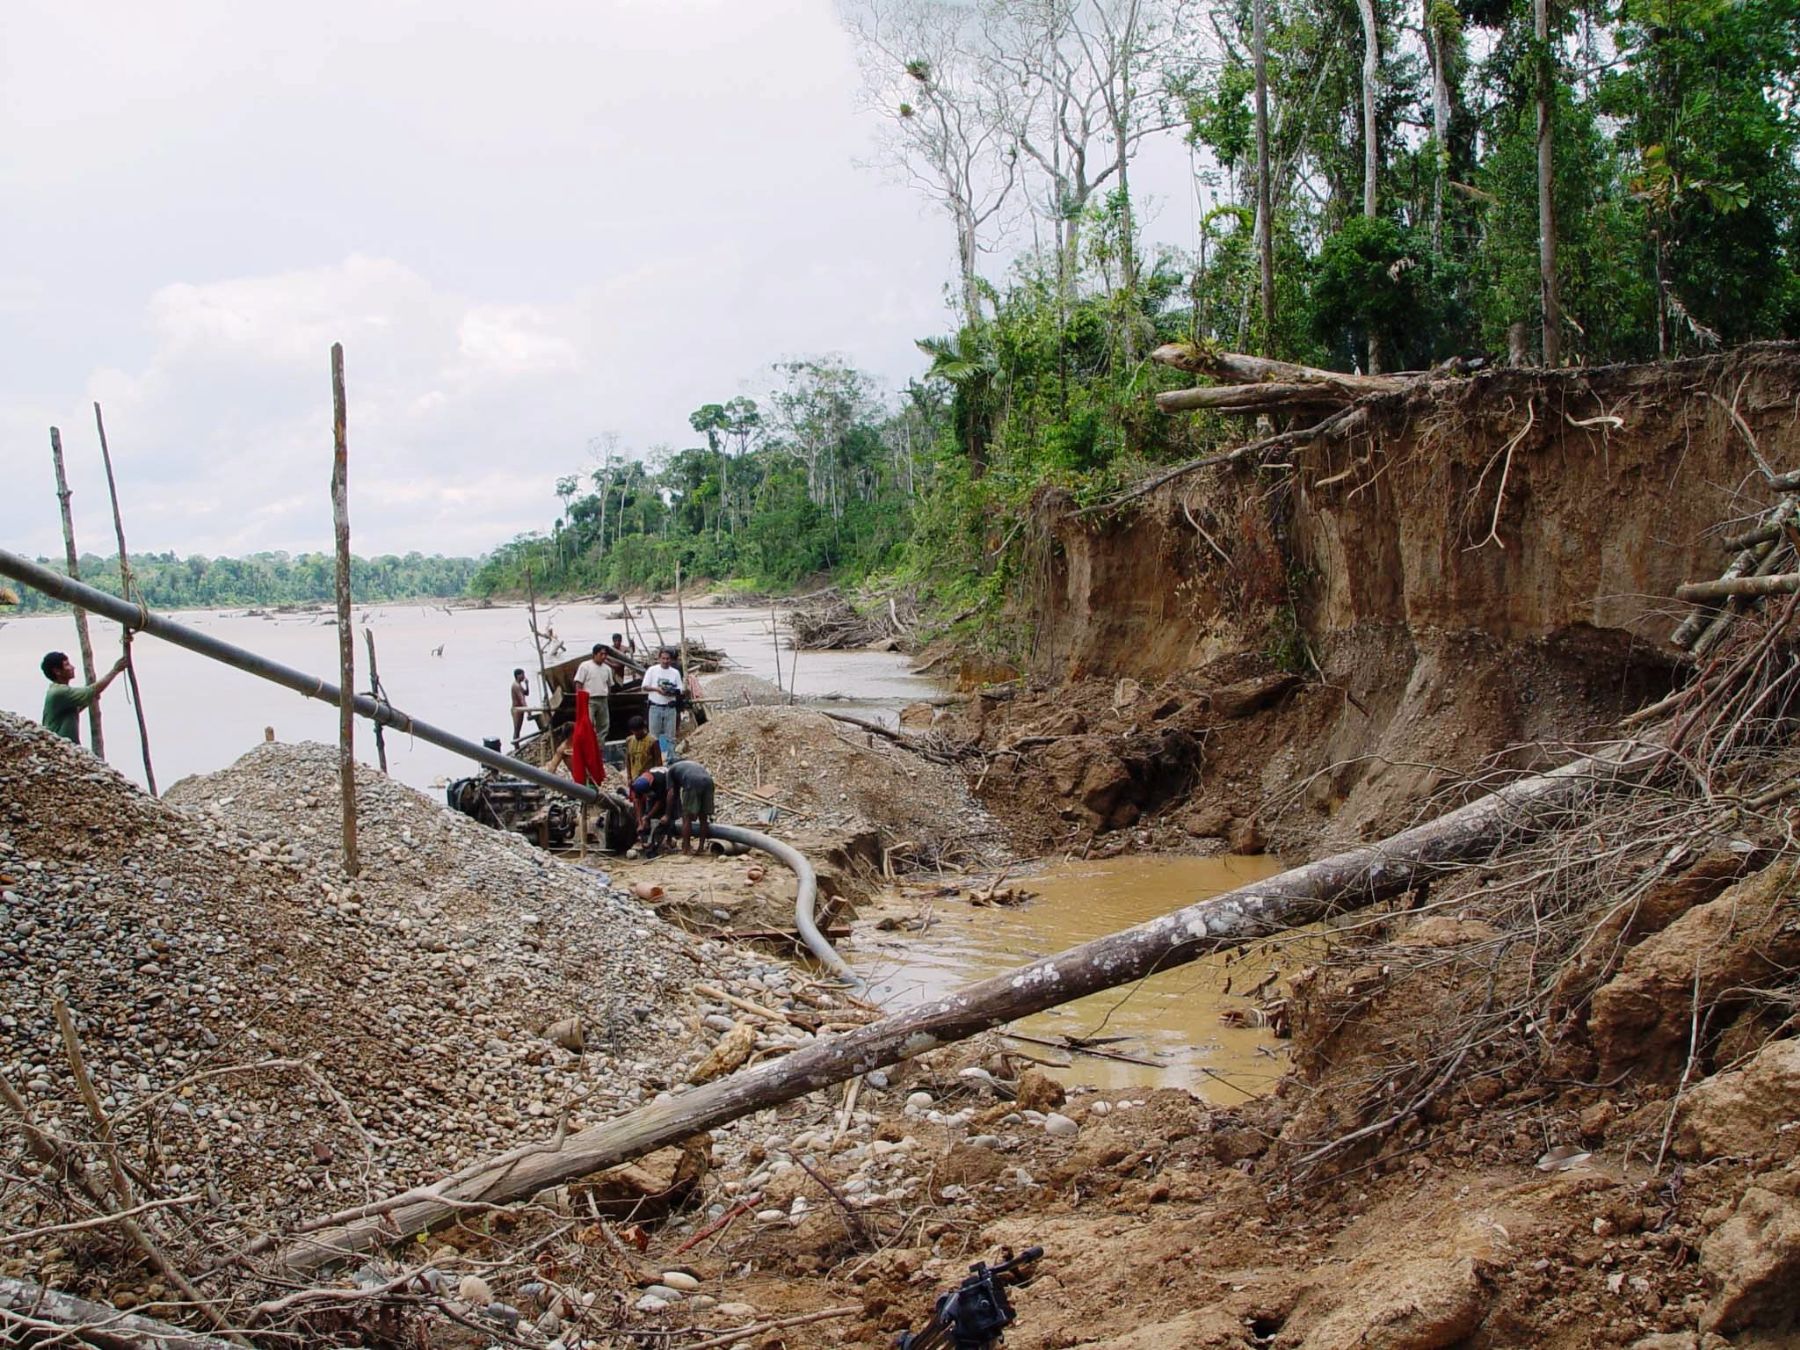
(973,374)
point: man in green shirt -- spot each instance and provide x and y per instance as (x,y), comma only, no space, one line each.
(65,699)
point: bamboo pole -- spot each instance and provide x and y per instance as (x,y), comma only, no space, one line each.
(378,693)
(126,586)
(340,521)
(86,646)
(1345,881)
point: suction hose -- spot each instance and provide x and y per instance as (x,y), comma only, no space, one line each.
(804,899)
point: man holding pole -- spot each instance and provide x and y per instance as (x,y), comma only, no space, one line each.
(65,700)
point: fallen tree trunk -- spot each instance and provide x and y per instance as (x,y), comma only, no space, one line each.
(1778,583)
(1250,398)
(1346,881)
(1237,368)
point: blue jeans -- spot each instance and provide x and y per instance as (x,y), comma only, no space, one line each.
(663,718)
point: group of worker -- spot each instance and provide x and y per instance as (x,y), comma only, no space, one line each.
(665,791)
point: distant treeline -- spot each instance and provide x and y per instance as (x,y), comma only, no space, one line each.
(165,581)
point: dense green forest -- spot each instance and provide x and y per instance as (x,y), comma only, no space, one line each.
(1383,186)
(165,581)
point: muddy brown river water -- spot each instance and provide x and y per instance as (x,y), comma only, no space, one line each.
(1170,1019)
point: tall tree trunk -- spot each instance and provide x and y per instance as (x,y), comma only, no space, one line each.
(1371,72)
(968,254)
(1546,178)
(1265,226)
(1440,123)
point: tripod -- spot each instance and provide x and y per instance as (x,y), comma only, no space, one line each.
(974,1314)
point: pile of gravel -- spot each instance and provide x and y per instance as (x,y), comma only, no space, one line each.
(372,1034)
(839,777)
(739,689)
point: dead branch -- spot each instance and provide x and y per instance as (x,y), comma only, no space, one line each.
(36,1309)
(1249,398)
(1340,424)
(57,1153)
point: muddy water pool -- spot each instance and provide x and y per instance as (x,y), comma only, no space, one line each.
(449,666)
(1171,1018)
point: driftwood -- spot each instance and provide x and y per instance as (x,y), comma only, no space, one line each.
(1346,881)
(31,1311)
(828,621)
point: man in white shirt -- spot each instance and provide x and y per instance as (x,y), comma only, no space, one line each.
(663,686)
(596,676)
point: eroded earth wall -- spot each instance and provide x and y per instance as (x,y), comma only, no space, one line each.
(1492,562)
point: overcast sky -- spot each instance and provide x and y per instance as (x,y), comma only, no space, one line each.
(529,224)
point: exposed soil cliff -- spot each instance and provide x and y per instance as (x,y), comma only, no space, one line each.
(1489,564)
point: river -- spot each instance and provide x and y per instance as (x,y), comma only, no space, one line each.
(446,665)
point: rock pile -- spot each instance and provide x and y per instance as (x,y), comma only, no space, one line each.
(839,776)
(296,1042)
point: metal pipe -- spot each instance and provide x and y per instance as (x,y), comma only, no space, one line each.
(381,712)
(804,899)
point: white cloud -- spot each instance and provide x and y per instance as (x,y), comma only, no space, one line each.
(528,225)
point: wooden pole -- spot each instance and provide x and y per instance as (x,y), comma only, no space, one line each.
(376,692)
(537,638)
(340,520)
(125,591)
(1345,881)
(81,624)
(775,639)
(681,622)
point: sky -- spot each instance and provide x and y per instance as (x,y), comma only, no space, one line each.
(530,225)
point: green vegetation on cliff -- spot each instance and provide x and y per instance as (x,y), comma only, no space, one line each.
(1413,212)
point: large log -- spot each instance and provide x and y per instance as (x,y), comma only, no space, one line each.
(1251,398)
(1778,583)
(1343,882)
(1238,368)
